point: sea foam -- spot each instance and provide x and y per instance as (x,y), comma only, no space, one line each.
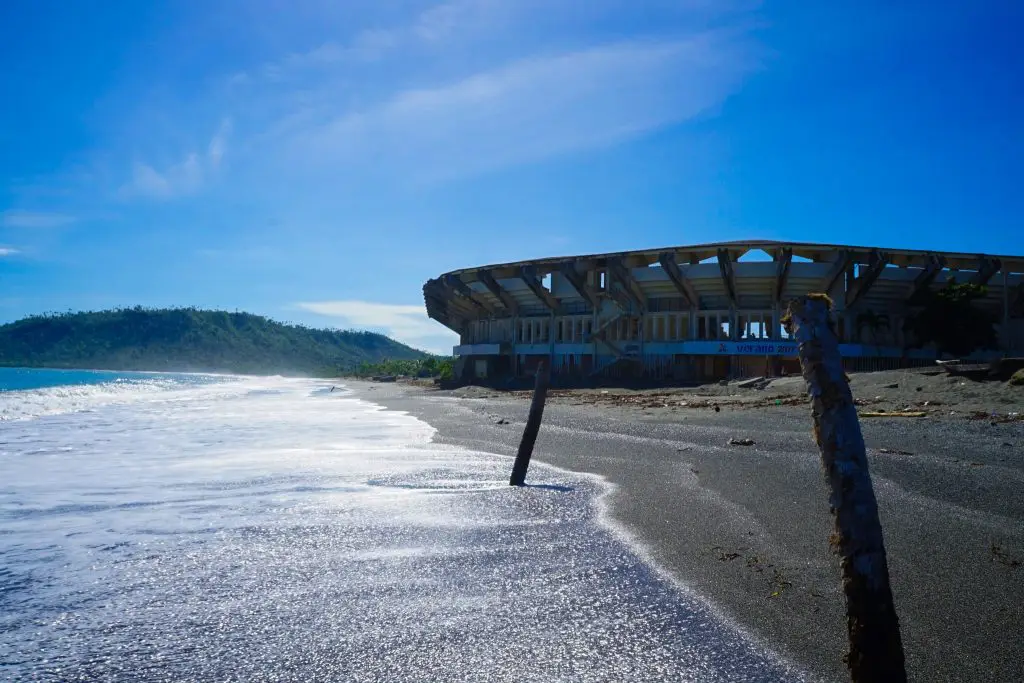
(273,529)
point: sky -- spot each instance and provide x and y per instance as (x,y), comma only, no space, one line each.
(317,161)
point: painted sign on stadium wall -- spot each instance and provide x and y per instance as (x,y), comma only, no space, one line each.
(742,348)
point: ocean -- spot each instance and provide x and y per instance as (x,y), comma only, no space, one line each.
(160,527)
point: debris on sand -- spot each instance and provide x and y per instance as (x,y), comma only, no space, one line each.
(886,392)
(999,555)
(894,451)
(736,441)
(895,413)
(995,418)
(724,556)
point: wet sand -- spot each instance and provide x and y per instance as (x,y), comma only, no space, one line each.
(747,526)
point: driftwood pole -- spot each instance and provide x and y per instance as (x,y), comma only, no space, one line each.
(522,463)
(876,650)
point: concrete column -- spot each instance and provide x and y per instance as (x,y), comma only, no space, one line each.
(642,332)
(513,326)
(551,341)
(1004,338)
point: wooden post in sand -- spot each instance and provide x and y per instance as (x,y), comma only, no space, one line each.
(522,463)
(876,650)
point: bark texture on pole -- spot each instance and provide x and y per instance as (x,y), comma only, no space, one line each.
(540,393)
(876,650)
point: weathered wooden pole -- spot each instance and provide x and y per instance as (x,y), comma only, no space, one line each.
(876,650)
(522,463)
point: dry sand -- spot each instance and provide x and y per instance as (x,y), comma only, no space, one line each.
(747,526)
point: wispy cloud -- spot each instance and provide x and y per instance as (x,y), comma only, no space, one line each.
(406,323)
(182,178)
(367,46)
(8,251)
(35,219)
(218,146)
(448,90)
(535,108)
(433,24)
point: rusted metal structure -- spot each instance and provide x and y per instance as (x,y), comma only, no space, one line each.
(706,311)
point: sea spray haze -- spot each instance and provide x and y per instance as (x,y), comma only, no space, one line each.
(224,528)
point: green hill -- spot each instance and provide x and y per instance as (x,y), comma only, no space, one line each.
(189,340)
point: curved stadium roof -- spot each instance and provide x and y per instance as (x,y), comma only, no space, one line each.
(712,276)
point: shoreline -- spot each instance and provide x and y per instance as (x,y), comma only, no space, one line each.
(746,527)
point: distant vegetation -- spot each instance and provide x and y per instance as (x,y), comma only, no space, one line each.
(191,340)
(432,366)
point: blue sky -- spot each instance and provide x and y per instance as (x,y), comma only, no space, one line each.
(318,161)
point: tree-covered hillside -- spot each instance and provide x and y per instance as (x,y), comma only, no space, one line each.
(189,340)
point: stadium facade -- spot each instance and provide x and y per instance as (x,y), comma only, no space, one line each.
(706,311)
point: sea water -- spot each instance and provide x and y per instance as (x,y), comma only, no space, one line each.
(200,528)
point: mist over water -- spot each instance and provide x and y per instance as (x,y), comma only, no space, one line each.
(198,528)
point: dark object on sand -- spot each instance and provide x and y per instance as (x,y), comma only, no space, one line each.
(1001,370)
(958,368)
(540,393)
(876,649)
(734,441)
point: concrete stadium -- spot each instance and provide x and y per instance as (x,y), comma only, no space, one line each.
(707,311)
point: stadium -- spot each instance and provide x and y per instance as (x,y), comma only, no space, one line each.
(710,311)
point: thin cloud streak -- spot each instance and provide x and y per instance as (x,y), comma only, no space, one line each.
(183,178)
(533,109)
(8,251)
(35,219)
(406,323)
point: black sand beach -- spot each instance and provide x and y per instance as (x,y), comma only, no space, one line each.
(747,526)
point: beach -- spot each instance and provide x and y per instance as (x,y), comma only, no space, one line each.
(747,527)
(223,528)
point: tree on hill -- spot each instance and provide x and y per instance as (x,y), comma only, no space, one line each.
(190,339)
